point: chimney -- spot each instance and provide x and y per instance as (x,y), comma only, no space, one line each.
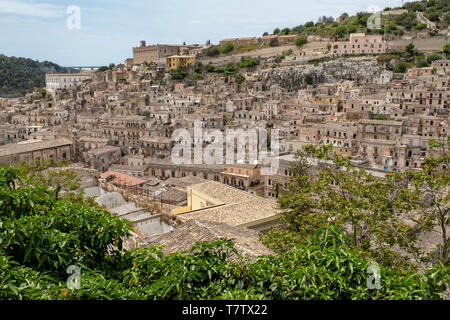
(142,43)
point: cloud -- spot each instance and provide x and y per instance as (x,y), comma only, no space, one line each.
(43,10)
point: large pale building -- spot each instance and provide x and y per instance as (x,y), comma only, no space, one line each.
(154,53)
(54,81)
(360,43)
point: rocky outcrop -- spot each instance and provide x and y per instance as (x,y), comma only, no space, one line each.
(332,71)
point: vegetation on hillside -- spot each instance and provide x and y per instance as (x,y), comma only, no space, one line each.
(437,11)
(19,76)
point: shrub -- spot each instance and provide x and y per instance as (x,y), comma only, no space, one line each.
(300,41)
(274,42)
(212,51)
(197,76)
(248,62)
(420,26)
(340,32)
(230,68)
(433,57)
(209,67)
(380,117)
(401,67)
(227,47)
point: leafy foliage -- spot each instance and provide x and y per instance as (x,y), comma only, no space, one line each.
(300,41)
(41,235)
(226,47)
(326,188)
(178,74)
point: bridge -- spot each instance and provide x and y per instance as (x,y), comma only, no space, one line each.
(80,68)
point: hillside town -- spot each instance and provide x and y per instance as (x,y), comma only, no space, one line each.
(116,125)
(310,162)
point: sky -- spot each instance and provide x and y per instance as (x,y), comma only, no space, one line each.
(45,30)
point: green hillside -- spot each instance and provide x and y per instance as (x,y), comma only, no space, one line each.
(437,11)
(21,75)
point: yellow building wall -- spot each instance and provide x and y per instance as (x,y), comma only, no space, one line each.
(175,62)
(196,201)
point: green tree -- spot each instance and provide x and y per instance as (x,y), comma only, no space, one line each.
(352,199)
(309,79)
(401,67)
(285,31)
(433,57)
(248,62)
(40,235)
(329,46)
(210,67)
(300,41)
(410,49)
(178,74)
(43,93)
(227,47)
(432,183)
(212,51)
(197,76)
(230,68)
(420,26)
(340,32)
(446,49)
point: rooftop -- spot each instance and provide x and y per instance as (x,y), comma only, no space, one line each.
(235,208)
(187,234)
(32,145)
(122,178)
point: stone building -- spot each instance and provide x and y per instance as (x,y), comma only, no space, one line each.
(242,176)
(360,43)
(176,61)
(216,202)
(379,143)
(65,80)
(31,150)
(101,159)
(154,53)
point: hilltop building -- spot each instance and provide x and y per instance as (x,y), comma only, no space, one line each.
(360,43)
(175,62)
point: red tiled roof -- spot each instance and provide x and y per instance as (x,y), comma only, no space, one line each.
(123,179)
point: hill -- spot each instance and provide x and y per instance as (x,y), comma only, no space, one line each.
(437,11)
(19,76)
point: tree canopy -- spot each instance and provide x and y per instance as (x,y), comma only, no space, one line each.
(42,234)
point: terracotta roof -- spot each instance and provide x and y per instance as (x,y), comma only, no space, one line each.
(239,208)
(187,234)
(123,179)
